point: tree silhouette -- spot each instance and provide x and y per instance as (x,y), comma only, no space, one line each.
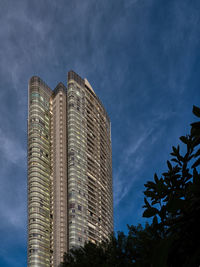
(175,203)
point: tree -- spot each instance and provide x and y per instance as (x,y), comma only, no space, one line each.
(113,252)
(133,250)
(175,203)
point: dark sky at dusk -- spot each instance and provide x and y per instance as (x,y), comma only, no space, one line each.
(142,59)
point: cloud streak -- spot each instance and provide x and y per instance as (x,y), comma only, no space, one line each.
(11,150)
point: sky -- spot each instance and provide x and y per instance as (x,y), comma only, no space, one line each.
(142,59)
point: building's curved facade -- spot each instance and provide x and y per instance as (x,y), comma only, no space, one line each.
(70,199)
(39,174)
(89,165)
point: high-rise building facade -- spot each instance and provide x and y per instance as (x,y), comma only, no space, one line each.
(70,198)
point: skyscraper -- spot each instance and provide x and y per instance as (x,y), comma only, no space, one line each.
(69,170)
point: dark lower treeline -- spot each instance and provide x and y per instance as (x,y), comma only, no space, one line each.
(172,239)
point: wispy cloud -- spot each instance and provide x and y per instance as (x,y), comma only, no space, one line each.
(132,149)
(129,3)
(14,216)
(135,155)
(11,150)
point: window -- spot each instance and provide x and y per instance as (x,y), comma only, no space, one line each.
(79,207)
(72,205)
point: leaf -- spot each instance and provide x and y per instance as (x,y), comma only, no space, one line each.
(184,139)
(197,153)
(150,212)
(150,184)
(174,149)
(162,213)
(196,111)
(194,131)
(147,203)
(180,157)
(196,163)
(156,178)
(169,165)
(149,194)
(175,160)
(196,141)
(156,201)
(196,125)
(165,174)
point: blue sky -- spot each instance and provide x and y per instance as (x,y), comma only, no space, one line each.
(142,59)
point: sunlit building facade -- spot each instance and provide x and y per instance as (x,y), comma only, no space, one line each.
(70,197)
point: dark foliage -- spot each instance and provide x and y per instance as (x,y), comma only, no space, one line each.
(175,203)
(121,250)
(173,237)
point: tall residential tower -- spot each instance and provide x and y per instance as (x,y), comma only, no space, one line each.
(70,197)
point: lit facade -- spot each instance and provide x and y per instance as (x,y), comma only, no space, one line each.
(70,197)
